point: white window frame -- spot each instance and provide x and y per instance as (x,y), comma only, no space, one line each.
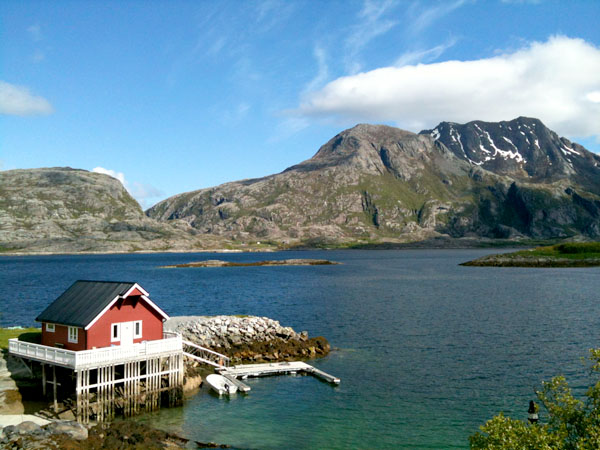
(114,326)
(137,335)
(50,327)
(71,339)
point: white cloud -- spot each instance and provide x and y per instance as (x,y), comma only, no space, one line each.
(372,23)
(423,56)
(593,96)
(427,17)
(19,101)
(143,193)
(111,173)
(556,81)
(322,70)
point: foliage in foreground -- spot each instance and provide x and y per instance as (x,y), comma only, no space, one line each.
(573,424)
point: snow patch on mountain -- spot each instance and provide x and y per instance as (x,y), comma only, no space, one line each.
(566,150)
(503,153)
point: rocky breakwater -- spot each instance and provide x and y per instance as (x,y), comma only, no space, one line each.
(249,338)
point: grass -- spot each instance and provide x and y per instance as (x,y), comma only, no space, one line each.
(24,334)
(571,250)
(571,254)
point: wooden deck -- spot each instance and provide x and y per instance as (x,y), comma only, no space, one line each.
(87,359)
(259,370)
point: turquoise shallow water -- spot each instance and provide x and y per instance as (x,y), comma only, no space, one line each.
(427,350)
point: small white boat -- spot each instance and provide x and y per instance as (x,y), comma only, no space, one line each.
(220,384)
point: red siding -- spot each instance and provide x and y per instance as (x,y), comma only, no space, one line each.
(128,310)
(135,292)
(61,336)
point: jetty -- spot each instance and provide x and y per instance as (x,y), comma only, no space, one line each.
(243,371)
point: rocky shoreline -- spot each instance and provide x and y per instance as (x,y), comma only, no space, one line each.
(248,338)
(120,434)
(243,338)
(282,262)
(512,261)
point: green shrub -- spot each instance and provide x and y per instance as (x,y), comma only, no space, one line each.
(579,247)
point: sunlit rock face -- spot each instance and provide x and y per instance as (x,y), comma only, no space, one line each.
(378,183)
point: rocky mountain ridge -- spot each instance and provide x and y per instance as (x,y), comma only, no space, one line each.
(64,210)
(522,148)
(513,179)
(368,184)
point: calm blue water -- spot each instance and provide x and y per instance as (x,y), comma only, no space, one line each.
(427,350)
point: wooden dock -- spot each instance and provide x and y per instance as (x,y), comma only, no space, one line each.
(130,379)
(243,371)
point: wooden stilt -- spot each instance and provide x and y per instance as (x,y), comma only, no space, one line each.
(54,389)
(44,380)
(129,387)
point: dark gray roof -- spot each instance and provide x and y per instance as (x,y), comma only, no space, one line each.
(82,302)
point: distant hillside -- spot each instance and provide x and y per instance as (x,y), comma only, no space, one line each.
(68,210)
(369,184)
(374,183)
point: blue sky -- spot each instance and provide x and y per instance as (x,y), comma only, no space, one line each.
(173,96)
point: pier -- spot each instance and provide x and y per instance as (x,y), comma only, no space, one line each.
(243,371)
(130,378)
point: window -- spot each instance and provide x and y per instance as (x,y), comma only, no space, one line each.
(50,327)
(73,333)
(115,332)
(137,329)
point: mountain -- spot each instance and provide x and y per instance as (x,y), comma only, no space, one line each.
(523,149)
(378,183)
(67,210)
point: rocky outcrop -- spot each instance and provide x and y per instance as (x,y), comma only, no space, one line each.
(279,262)
(249,338)
(66,210)
(73,435)
(374,183)
(30,435)
(524,261)
(572,254)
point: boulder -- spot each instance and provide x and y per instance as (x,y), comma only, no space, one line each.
(72,429)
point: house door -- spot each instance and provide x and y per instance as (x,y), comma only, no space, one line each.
(126,333)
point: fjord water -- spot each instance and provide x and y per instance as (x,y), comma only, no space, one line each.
(426,350)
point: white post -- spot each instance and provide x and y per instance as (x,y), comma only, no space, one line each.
(54,389)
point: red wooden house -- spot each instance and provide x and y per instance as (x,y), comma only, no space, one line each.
(94,314)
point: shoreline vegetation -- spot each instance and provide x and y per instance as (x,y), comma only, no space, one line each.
(283,262)
(442,242)
(574,254)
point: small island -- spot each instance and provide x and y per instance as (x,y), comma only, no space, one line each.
(573,254)
(281,262)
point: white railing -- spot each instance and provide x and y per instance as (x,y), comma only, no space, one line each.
(42,352)
(205,355)
(95,357)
